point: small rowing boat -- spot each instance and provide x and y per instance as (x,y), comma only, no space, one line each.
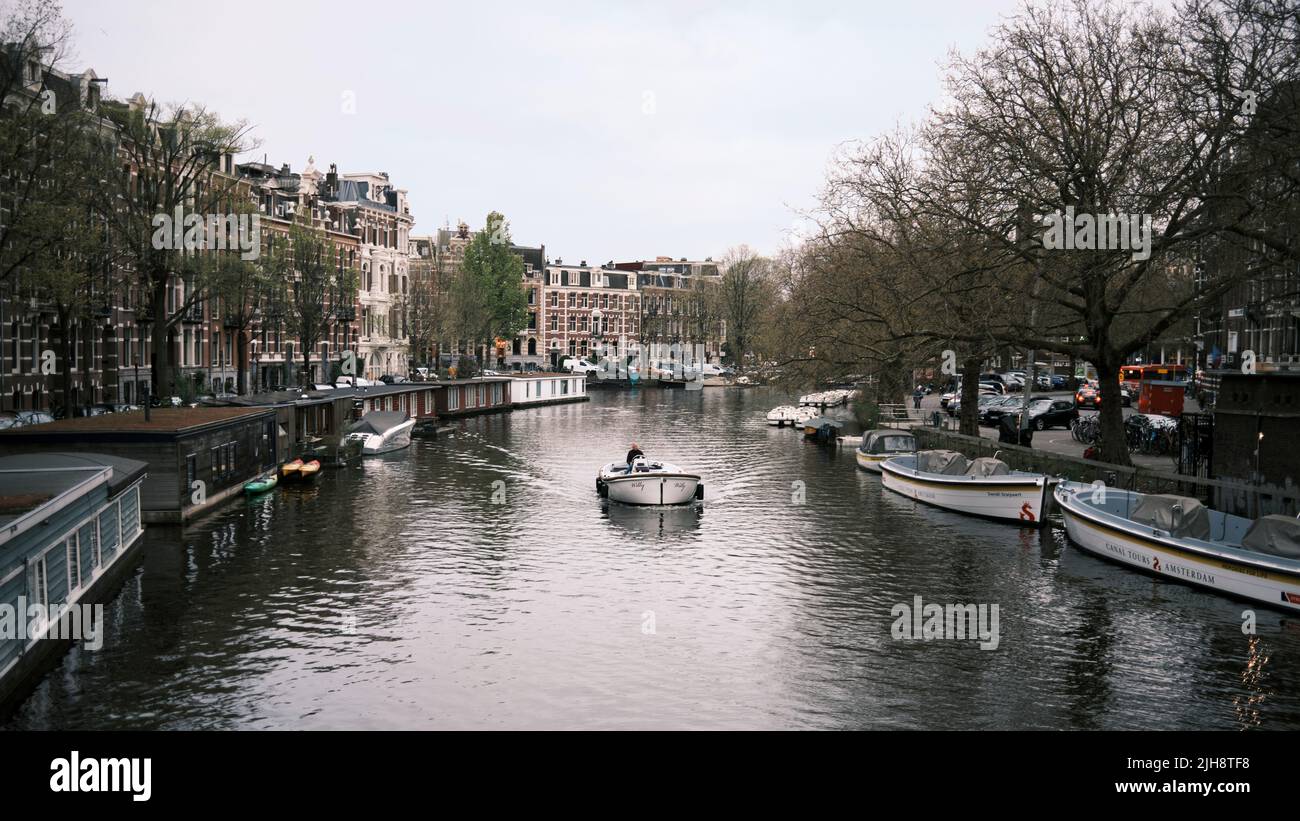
(985,486)
(261,484)
(289,470)
(309,470)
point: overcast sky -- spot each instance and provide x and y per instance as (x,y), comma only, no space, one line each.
(604,130)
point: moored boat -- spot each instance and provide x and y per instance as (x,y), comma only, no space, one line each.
(982,487)
(1179,538)
(261,484)
(381,432)
(648,483)
(881,444)
(289,470)
(309,470)
(782,415)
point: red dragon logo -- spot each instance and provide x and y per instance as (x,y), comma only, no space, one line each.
(1155,563)
(1026,515)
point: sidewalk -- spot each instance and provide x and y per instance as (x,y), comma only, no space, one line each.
(1059,440)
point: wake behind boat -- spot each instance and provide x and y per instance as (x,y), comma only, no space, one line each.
(648,483)
(983,487)
(1178,537)
(381,432)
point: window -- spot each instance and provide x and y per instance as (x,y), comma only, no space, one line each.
(73,546)
(191,471)
(453,398)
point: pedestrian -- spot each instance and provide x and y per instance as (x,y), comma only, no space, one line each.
(917,395)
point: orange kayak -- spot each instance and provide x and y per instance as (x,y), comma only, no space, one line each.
(289,470)
(309,470)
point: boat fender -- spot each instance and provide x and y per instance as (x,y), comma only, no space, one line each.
(699,491)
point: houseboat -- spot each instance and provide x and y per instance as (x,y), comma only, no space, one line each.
(70,531)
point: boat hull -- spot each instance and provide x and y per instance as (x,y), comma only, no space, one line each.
(642,489)
(1164,557)
(260,485)
(1021,501)
(872,461)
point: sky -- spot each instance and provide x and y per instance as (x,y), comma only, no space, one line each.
(606,131)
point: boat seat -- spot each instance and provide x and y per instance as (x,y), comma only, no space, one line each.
(1158,510)
(1276,535)
(988,466)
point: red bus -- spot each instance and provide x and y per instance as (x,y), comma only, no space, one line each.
(1132,376)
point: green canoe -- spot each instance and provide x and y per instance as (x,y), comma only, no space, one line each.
(261,484)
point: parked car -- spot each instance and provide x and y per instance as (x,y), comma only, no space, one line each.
(1059,381)
(92,410)
(394,379)
(993,411)
(579,366)
(991,386)
(1052,413)
(24,419)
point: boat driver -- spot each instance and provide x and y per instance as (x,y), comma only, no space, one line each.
(632,454)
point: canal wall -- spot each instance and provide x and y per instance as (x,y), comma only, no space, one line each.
(1237,498)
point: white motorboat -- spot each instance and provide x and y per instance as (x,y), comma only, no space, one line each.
(648,483)
(983,487)
(381,432)
(826,399)
(885,443)
(1179,538)
(782,415)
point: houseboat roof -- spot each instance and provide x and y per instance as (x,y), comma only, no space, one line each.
(161,420)
(544,375)
(34,485)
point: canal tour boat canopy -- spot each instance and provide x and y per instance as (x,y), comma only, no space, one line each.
(988,466)
(1275,534)
(946,462)
(1180,516)
(378,422)
(888,441)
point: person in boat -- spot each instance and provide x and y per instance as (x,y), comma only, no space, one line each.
(632,454)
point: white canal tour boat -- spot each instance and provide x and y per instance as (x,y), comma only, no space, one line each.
(882,444)
(381,432)
(983,487)
(1178,537)
(648,483)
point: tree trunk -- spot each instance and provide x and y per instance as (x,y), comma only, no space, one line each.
(970,395)
(160,375)
(65,360)
(241,367)
(88,360)
(1114,444)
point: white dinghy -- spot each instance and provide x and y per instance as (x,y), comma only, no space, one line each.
(985,487)
(648,483)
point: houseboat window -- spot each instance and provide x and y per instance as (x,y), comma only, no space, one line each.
(39,582)
(191,471)
(73,545)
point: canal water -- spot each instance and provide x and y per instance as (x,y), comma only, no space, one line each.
(478,581)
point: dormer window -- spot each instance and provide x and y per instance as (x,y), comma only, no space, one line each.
(33,71)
